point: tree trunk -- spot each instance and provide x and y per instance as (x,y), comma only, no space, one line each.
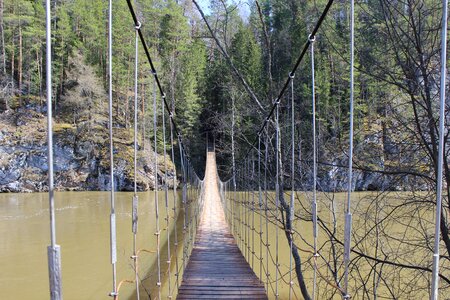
(19,67)
(2,38)
(143,114)
(12,63)
(284,208)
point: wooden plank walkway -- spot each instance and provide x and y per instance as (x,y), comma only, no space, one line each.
(216,268)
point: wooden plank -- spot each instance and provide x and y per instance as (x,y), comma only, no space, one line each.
(216,268)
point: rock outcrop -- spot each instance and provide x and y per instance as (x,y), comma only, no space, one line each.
(81,143)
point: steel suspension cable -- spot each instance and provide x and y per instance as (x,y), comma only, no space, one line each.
(155,157)
(157,80)
(437,234)
(175,203)
(184,200)
(266,199)
(260,211)
(246,216)
(314,201)
(54,250)
(291,206)
(348,215)
(134,218)
(113,246)
(293,71)
(166,198)
(253,211)
(233,205)
(277,190)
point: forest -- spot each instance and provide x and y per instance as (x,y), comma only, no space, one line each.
(223,63)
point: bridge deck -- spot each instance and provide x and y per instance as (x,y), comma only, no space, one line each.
(216,268)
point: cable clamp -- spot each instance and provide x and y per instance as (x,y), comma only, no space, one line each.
(311,38)
(158,284)
(291,75)
(171,115)
(113,294)
(347,296)
(163,95)
(134,257)
(138,25)
(316,254)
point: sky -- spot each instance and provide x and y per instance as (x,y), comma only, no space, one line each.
(243,6)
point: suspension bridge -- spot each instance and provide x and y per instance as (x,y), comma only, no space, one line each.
(227,252)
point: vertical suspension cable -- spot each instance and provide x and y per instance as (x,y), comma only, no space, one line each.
(247,208)
(134,218)
(437,234)
(253,211)
(260,210)
(277,191)
(155,150)
(238,208)
(175,202)
(54,250)
(113,246)
(348,215)
(291,207)
(266,198)
(314,202)
(166,197)
(184,200)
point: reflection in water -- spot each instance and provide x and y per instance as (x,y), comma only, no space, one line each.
(83,232)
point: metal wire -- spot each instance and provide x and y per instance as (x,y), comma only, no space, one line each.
(175,203)
(135,196)
(277,190)
(294,69)
(54,250)
(437,234)
(314,202)
(155,149)
(253,212)
(113,246)
(291,206)
(266,198)
(166,197)
(260,211)
(348,216)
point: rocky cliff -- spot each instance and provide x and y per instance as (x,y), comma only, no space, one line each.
(81,140)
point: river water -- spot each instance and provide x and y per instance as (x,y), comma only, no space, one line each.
(82,220)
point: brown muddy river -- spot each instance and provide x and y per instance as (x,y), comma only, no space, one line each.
(82,220)
(83,233)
